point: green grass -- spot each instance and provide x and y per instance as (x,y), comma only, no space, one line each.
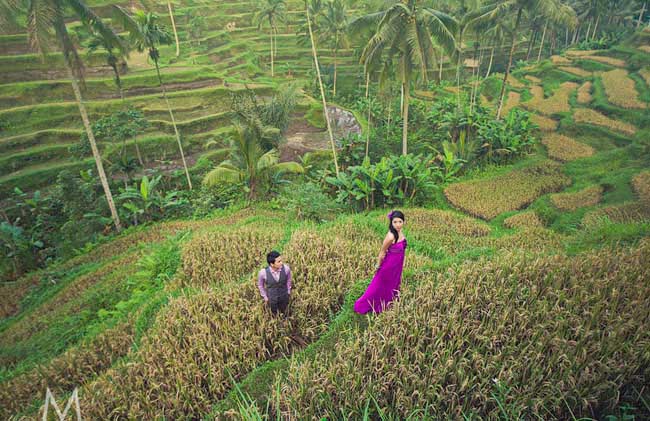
(17,161)
(35,177)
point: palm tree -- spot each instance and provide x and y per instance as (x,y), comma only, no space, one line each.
(146,34)
(333,30)
(591,10)
(314,6)
(248,162)
(500,9)
(495,34)
(271,11)
(113,55)
(42,17)
(403,36)
(171,18)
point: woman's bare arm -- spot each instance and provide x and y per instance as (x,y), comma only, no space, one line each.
(388,240)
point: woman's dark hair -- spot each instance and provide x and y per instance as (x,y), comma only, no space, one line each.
(394,214)
(270,258)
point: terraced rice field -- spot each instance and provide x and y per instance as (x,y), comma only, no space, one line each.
(40,117)
(514,190)
(556,103)
(620,89)
(517,301)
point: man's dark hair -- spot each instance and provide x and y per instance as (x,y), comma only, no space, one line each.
(270,258)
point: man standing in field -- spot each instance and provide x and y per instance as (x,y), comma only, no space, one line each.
(274,283)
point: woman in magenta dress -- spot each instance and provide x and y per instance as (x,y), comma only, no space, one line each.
(384,286)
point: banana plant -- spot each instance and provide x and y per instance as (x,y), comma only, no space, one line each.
(143,200)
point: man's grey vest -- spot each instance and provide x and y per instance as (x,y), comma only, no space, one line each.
(276,289)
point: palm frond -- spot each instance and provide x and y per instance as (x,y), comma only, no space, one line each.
(289,168)
(91,19)
(222,174)
(268,160)
(9,11)
(442,28)
(40,21)
(488,13)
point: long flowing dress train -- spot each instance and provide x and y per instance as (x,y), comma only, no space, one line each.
(386,283)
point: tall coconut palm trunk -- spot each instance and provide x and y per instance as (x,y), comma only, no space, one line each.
(369,115)
(271,36)
(95,150)
(507,72)
(541,44)
(70,60)
(593,34)
(405,114)
(490,65)
(171,115)
(112,61)
(322,91)
(334,87)
(640,19)
(171,17)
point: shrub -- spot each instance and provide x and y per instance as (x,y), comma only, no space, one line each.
(564,148)
(514,190)
(308,201)
(392,180)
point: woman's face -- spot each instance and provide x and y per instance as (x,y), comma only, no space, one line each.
(398,223)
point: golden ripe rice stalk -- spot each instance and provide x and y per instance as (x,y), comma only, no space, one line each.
(575,200)
(607,60)
(560,61)
(641,184)
(526,219)
(589,116)
(433,320)
(545,123)
(584,93)
(513,100)
(625,213)
(534,79)
(576,71)
(563,148)
(488,198)
(557,103)
(620,89)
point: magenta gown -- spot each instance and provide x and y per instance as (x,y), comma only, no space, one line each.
(385,284)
